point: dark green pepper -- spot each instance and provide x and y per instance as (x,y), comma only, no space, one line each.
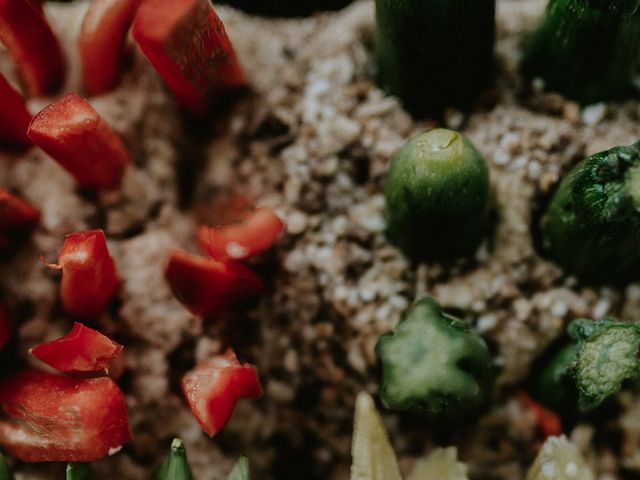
(607,356)
(240,470)
(434,364)
(588,50)
(176,466)
(5,473)
(592,224)
(554,386)
(435,54)
(437,197)
(78,471)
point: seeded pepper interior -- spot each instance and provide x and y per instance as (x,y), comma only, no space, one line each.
(370,239)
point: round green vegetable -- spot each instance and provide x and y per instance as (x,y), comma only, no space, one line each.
(437,197)
(434,364)
(588,50)
(592,225)
(554,386)
(435,54)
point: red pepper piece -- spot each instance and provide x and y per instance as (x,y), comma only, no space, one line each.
(82,350)
(30,41)
(17,220)
(102,38)
(187,44)
(206,286)
(74,135)
(49,418)
(548,422)
(6,327)
(89,279)
(14,116)
(214,386)
(254,234)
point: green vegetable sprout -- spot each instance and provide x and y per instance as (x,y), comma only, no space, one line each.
(176,466)
(437,197)
(5,473)
(241,470)
(435,54)
(588,50)
(592,224)
(434,364)
(607,355)
(78,471)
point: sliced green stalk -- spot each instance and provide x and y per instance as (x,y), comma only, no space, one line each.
(373,455)
(559,459)
(441,464)
(437,197)
(592,224)
(434,364)
(5,473)
(607,356)
(78,471)
(176,466)
(588,50)
(240,470)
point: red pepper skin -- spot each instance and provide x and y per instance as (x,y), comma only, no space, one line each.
(74,135)
(101,43)
(30,41)
(89,279)
(214,386)
(548,422)
(82,350)
(187,44)
(14,116)
(17,220)
(254,234)
(49,418)
(206,286)
(6,327)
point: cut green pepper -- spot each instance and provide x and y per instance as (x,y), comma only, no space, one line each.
(554,386)
(437,197)
(435,54)
(240,470)
(434,364)
(588,50)
(592,224)
(176,466)
(78,471)
(607,355)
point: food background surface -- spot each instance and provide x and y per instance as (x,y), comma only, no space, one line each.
(313,137)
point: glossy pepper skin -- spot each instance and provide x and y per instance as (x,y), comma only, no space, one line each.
(435,54)
(437,197)
(588,50)
(607,356)
(434,364)
(554,386)
(592,224)
(78,471)
(176,465)
(14,116)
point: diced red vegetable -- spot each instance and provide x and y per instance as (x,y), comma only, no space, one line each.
(73,134)
(206,286)
(89,279)
(255,233)
(102,38)
(187,44)
(49,418)
(6,327)
(14,116)
(30,41)
(214,386)
(83,350)
(548,422)
(17,219)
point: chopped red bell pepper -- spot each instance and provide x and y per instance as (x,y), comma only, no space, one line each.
(206,286)
(89,279)
(14,116)
(254,234)
(82,350)
(49,418)
(6,327)
(548,422)
(34,47)
(102,38)
(73,134)
(214,386)
(187,44)
(17,219)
